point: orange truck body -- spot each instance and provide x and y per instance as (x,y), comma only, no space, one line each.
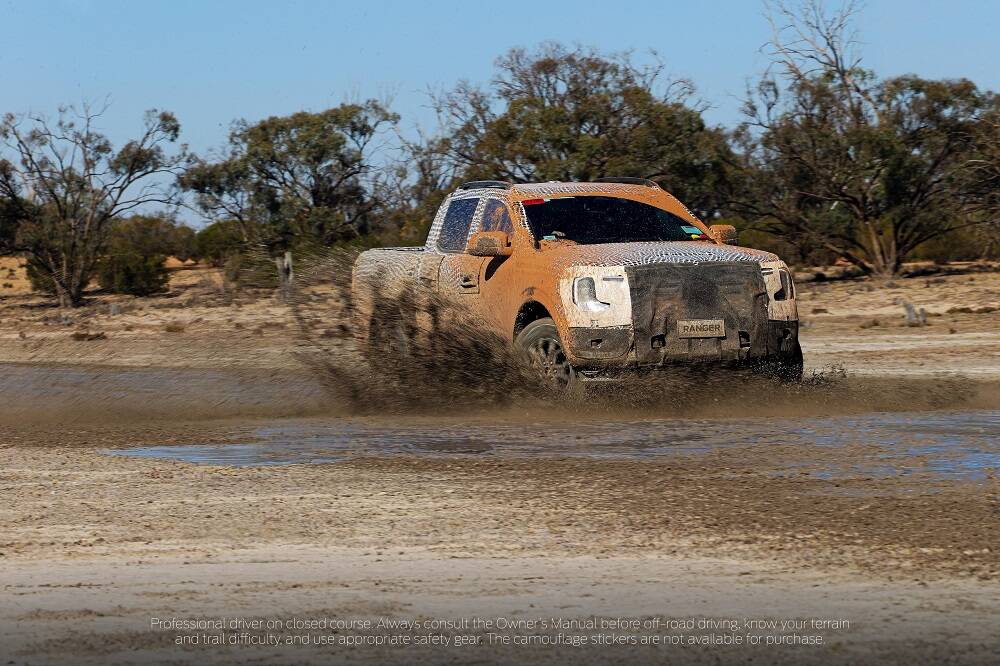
(659,303)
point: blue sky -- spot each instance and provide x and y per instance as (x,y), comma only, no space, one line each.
(213,61)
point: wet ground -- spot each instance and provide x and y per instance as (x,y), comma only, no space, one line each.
(940,445)
(187,464)
(73,393)
(132,493)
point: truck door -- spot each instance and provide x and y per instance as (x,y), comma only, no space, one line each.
(460,272)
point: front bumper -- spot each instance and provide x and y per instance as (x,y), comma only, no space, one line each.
(610,348)
(664,294)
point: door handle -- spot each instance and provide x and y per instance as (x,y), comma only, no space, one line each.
(467,281)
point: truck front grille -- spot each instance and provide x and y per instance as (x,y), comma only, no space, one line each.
(662,294)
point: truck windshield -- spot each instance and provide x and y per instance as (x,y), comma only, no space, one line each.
(591,220)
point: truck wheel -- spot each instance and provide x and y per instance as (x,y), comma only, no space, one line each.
(540,342)
(792,368)
(787,368)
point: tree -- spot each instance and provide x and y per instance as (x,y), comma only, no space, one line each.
(133,262)
(981,177)
(68,184)
(13,207)
(413,191)
(218,241)
(129,272)
(579,115)
(867,168)
(152,234)
(302,179)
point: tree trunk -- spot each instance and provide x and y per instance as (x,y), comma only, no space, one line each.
(285,274)
(62,292)
(63,296)
(887,261)
(76,296)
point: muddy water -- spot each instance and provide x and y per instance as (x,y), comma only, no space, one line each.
(952,432)
(42,392)
(944,445)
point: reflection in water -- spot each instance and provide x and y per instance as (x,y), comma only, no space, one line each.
(948,445)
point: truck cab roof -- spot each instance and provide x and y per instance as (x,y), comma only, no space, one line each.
(636,189)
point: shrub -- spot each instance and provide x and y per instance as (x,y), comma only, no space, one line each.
(219,241)
(149,235)
(960,245)
(40,280)
(133,273)
(254,270)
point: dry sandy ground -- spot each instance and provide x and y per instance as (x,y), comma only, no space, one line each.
(93,546)
(13,279)
(860,325)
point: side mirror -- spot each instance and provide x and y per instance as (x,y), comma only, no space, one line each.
(724,233)
(489,244)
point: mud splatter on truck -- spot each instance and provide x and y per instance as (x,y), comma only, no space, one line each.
(593,281)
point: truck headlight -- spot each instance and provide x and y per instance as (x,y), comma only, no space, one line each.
(596,296)
(585,295)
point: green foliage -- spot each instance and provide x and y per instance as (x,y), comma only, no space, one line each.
(559,114)
(835,158)
(185,245)
(981,181)
(219,241)
(40,279)
(303,178)
(133,273)
(148,235)
(414,190)
(79,185)
(832,162)
(960,245)
(12,207)
(251,269)
(136,249)
(870,182)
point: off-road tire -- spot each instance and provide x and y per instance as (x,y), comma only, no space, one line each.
(539,341)
(786,368)
(791,369)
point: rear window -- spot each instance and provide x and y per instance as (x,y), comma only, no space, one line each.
(591,220)
(457,221)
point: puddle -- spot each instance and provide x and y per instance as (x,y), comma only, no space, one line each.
(945,445)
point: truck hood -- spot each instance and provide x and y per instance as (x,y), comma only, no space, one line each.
(641,254)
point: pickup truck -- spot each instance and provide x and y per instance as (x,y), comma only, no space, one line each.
(591,280)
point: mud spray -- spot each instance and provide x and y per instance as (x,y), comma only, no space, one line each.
(442,359)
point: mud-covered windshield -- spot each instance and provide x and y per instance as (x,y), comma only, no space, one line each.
(590,220)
